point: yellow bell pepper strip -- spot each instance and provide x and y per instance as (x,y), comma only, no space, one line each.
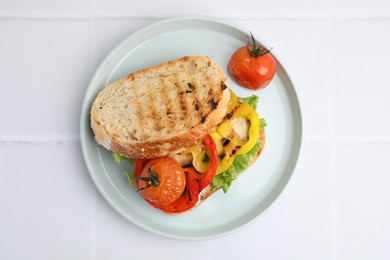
(218,141)
(225,157)
(231,145)
(228,145)
(198,157)
(247,111)
(233,103)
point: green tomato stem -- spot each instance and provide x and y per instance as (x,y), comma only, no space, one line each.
(256,51)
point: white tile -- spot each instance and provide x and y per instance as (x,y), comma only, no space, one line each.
(45,7)
(111,32)
(217,8)
(363,201)
(117,238)
(360,7)
(114,234)
(361,68)
(46,200)
(299,222)
(300,45)
(46,66)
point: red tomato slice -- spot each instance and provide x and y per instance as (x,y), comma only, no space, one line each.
(195,182)
(162,180)
(139,164)
(189,198)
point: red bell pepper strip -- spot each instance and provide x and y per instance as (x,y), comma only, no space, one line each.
(209,174)
(139,165)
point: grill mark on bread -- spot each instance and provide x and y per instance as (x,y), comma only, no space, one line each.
(146,114)
(213,104)
(185,109)
(154,108)
(180,105)
(191,86)
(140,117)
(198,105)
(210,93)
(170,110)
(194,100)
(180,119)
(166,99)
(183,106)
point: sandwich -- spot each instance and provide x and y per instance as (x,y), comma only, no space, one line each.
(184,132)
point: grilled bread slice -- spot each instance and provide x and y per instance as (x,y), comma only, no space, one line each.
(162,109)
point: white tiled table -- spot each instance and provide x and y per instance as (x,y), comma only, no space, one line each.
(337,205)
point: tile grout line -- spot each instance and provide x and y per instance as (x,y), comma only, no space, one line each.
(333,147)
(346,140)
(94,225)
(12,142)
(275,16)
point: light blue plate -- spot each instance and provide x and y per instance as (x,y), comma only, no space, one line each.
(256,189)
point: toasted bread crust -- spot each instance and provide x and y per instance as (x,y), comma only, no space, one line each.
(161,110)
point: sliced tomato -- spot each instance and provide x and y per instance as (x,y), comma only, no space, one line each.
(188,199)
(162,180)
(158,197)
(139,165)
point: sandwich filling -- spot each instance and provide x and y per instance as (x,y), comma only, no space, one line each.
(236,145)
(237,142)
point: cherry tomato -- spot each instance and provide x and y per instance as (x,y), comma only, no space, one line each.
(161,181)
(139,164)
(252,67)
(189,199)
(150,176)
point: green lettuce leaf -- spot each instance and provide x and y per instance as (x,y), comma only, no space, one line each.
(130,174)
(240,163)
(263,123)
(252,100)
